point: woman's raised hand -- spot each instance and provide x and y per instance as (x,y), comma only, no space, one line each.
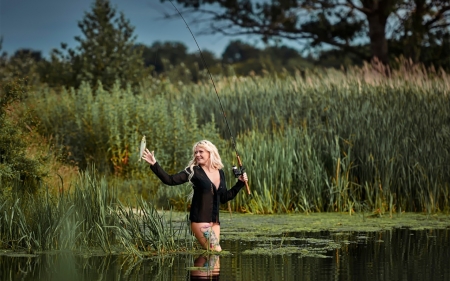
(243,177)
(149,156)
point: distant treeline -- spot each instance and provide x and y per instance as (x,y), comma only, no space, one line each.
(108,52)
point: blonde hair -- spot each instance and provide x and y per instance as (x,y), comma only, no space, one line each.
(215,161)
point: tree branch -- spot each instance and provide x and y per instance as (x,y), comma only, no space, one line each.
(363,10)
(437,17)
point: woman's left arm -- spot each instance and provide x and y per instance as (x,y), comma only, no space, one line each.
(232,192)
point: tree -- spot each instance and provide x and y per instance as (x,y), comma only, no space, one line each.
(347,25)
(23,64)
(172,57)
(246,58)
(283,54)
(106,53)
(422,25)
(172,52)
(238,51)
(16,168)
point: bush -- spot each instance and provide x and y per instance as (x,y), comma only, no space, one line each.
(16,168)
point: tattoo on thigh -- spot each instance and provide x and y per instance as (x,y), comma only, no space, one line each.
(211,237)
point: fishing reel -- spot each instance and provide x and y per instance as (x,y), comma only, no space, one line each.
(238,171)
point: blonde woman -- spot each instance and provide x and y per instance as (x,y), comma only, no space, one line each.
(205,173)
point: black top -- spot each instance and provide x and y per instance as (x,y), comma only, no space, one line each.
(205,202)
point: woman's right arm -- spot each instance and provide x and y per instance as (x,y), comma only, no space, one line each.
(176,179)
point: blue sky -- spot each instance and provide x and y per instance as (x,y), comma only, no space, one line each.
(43,24)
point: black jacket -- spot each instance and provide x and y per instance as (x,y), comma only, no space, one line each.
(205,202)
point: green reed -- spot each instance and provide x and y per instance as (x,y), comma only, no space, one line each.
(105,129)
(382,145)
(88,218)
(322,141)
(34,222)
(143,228)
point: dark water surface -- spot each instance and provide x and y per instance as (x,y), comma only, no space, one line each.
(398,254)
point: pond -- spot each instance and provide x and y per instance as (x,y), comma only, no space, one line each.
(387,253)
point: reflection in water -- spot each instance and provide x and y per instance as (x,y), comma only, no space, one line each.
(70,267)
(399,254)
(206,267)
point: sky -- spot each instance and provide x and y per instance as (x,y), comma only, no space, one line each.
(42,25)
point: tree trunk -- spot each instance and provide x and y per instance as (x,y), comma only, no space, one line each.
(377,12)
(413,41)
(377,35)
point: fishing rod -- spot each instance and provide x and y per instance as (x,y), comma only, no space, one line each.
(236,170)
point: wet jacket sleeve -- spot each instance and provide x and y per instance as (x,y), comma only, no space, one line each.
(231,193)
(176,179)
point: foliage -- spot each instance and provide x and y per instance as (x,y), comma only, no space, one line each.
(16,167)
(347,26)
(174,52)
(106,127)
(435,53)
(107,52)
(171,60)
(88,218)
(24,64)
(249,60)
(357,134)
(316,141)
(238,51)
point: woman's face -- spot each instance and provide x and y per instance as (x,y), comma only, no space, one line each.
(201,155)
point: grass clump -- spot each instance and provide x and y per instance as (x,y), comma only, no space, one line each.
(88,218)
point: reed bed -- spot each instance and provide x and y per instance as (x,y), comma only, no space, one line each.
(105,128)
(89,219)
(341,141)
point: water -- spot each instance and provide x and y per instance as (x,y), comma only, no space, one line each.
(399,254)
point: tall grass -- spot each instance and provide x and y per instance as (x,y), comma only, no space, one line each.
(88,218)
(105,129)
(317,141)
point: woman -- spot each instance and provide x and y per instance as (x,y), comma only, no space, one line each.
(205,173)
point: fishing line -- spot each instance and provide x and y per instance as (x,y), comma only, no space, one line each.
(215,89)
